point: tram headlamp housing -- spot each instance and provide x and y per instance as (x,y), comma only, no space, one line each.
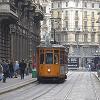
(49,70)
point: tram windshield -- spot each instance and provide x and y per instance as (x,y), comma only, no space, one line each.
(49,58)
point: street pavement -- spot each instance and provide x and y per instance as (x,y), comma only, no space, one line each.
(95,73)
(15,83)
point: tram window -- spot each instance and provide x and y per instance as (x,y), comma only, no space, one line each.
(61,60)
(61,57)
(41,58)
(56,51)
(56,58)
(49,58)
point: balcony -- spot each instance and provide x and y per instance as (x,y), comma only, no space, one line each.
(92,19)
(93,30)
(85,18)
(39,14)
(7,9)
(66,18)
(76,18)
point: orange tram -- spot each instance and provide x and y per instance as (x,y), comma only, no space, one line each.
(52,63)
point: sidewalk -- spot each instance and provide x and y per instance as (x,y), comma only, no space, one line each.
(14,83)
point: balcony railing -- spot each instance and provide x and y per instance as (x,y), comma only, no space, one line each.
(76,18)
(85,18)
(66,18)
(93,19)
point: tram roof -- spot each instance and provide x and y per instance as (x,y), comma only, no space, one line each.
(51,46)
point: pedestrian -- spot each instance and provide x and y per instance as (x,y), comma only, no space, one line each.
(11,69)
(27,68)
(16,69)
(22,66)
(89,67)
(5,70)
(8,73)
(1,71)
(98,69)
(30,67)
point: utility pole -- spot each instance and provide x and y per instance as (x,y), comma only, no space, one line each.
(54,27)
(54,37)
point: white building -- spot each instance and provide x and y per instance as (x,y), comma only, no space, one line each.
(77,27)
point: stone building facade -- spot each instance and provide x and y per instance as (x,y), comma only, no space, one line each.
(19,28)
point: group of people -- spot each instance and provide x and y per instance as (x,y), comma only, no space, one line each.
(12,70)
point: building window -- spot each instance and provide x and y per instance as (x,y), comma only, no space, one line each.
(58,14)
(66,24)
(92,5)
(92,25)
(58,4)
(99,38)
(52,5)
(76,24)
(92,14)
(85,14)
(85,4)
(76,4)
(44,8)
(58,37)
(6,1)
(59,27)
(92,37)
(52,24)
(85,37)
(85,25)
(98,26)
(66,13)
(52,13)
(76,13)
(99,5)
(76,37)
(66,4)
(66,37)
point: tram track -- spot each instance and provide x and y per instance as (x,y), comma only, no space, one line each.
(71,88)
(45,91)
(52,88)
(93,87)
(92,84)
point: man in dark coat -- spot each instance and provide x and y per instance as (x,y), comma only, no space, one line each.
(22,66)
(11,69)
(5,70)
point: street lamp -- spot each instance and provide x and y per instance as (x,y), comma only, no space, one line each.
(77,42)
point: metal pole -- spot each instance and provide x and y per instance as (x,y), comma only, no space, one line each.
(54,37)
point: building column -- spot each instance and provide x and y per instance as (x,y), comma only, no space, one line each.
(12,32)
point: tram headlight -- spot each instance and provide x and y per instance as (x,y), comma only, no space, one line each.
(49,70)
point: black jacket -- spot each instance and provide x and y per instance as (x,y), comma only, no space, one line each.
(22,66)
